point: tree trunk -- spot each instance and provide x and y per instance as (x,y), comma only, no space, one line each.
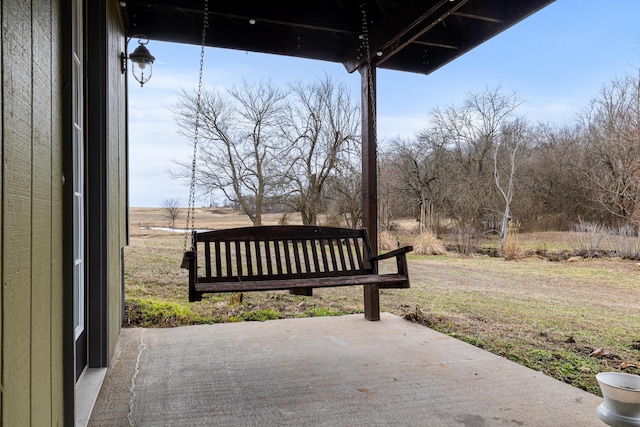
(504,226)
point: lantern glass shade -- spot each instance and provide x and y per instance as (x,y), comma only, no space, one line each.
(141,64)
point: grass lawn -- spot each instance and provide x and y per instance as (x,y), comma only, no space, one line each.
(569,320)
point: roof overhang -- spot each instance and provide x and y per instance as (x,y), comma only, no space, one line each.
(415,36)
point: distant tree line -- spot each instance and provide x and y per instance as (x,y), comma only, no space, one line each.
(480,164)
(473,168)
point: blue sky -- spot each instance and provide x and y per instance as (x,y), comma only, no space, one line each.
(556,60)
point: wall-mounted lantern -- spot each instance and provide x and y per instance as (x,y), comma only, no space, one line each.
(141,60)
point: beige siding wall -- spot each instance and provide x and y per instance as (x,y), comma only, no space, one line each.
(32,381)
(31,208)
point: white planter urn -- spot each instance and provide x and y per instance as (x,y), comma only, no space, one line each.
(621,392)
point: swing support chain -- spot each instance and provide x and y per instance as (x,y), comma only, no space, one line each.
(191,209)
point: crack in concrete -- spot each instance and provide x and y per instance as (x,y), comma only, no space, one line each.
(141,347)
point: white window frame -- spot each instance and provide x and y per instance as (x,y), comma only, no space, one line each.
(78,173)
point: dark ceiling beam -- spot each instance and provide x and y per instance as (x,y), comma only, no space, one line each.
(400,28)
(434,44)
(480,17)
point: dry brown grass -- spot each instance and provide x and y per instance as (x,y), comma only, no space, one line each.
(512,249)
(386,241)
(546,315)
(427,243)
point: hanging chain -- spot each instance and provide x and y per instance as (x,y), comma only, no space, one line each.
(191,210)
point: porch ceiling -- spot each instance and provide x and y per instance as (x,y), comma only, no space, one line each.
(416,36)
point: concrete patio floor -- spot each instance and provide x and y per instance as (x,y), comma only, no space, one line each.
(327,371)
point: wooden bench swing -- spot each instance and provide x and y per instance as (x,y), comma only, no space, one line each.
(297,258)
(294,257)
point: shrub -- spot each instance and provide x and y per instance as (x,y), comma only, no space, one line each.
(587,237)
(466,238)
(387,242)
(591,239)
(512,249)
(624,242)
(427,243)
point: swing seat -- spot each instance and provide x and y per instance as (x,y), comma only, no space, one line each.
(294,257)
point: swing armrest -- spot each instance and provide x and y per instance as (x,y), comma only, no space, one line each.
(393,253)
(401,264)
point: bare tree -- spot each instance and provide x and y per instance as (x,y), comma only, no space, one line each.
(489,111)
(240,143)
(612,136)
(171,210)
(321,126)
(343,193)
(551,193)
(506,159)
(387,183)
(495,131)
(466,192)
(417,171)
(468,136)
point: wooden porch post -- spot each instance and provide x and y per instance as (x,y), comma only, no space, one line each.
(370,179)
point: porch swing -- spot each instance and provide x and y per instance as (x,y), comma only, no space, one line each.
(297,258)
